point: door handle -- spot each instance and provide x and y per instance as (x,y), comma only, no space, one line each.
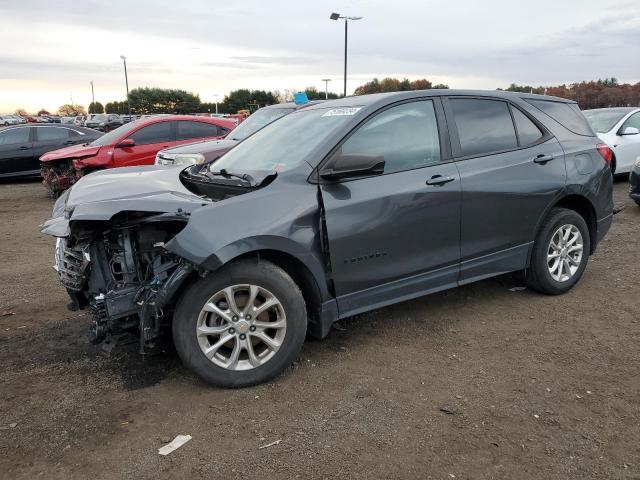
(439,180)
(23,148)
(542,158)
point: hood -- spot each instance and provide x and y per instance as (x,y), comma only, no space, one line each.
(211,149)
(103,194)
(74,151)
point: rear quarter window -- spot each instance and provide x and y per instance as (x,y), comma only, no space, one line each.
(566,114)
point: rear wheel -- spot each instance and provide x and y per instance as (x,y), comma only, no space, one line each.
(241,325)
(560,252)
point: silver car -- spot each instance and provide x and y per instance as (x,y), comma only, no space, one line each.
(619,128)
(6,120)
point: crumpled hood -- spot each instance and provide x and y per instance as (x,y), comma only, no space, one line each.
(74,151)
(103,194)
(211,149)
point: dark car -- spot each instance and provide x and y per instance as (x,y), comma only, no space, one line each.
(331,211)
(209,150)
(634,182)
(105,122)
(21,146)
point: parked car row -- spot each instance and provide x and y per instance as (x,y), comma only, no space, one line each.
(328,211)
(6,120)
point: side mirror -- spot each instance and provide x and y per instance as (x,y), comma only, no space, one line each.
(347,166)
(126,143)
(630,131)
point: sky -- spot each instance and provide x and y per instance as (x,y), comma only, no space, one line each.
(52,49)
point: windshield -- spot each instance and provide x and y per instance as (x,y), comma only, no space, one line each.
(98,118)
(284,144)
(113,135)
(258,120)
(604,120)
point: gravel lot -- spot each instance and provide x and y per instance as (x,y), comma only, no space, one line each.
(536,386)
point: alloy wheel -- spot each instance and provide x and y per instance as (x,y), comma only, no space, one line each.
(241,327)
(564,253)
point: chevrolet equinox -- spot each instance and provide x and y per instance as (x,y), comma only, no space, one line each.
(330,211)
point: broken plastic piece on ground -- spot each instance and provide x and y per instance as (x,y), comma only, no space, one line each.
(517,289)
(269,444)
(174,444)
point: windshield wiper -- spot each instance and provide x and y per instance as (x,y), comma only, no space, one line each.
(225,173)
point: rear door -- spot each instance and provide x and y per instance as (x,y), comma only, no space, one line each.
(510,168)
(192,131)
(395,236)
(149,141)
(16,151)
(47,139)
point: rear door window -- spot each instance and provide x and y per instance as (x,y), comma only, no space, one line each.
(484,126)
(155,133)
(187,129)
(44,134)
(528,132)
(14,136)
(566,114)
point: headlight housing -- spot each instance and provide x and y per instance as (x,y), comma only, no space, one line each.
(183,159)
(637,163)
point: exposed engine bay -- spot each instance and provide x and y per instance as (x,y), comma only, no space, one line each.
(122,273)
(58,176)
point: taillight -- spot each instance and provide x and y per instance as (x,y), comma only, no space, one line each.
(605,152)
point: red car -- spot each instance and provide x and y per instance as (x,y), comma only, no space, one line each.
(134,143)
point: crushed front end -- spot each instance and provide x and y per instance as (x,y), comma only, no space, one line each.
(57,176)
(121,272)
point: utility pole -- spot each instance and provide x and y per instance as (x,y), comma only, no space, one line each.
(126,81)
(326,88)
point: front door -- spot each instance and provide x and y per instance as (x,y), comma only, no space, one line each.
(509,174)
(627,147)
(396,235)
(149,141)
(16,152)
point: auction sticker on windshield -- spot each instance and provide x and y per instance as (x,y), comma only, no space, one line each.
(334,112)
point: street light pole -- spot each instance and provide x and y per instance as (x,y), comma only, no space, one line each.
(346,26)
(215,95)
(337,16)
(93,97)
(126,81)
(326,88)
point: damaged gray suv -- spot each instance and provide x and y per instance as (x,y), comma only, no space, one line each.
(333,210)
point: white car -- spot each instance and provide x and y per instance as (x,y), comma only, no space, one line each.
(618,127)
(6,120)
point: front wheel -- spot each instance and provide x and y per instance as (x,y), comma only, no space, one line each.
(560,252)
(241,325)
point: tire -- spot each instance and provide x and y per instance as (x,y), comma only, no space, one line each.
(267,361)
(637,202)
(541,275)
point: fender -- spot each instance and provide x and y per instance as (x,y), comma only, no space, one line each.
(282,217)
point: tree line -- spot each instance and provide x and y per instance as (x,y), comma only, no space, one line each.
(147,101)
(593,94)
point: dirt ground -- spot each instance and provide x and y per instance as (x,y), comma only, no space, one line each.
(536,386)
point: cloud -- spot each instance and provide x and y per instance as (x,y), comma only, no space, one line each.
(208,47)
(272,60)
